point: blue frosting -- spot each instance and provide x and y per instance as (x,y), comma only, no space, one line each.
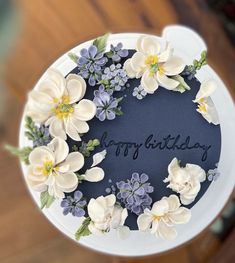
(148,136)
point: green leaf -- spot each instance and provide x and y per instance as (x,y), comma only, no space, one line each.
(101,42)
(83,229)
(80,178)
(21,153)
(73,57)
(118,111)
(96,142)
(109,54)
(183,86)
(119,99)
(46,199)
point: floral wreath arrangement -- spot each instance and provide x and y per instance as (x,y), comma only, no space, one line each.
(57,110)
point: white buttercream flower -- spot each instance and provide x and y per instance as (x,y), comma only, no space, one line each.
(185,180)
(54,104)
(160,220)
(52,168)
(105,214)
(154,65)
(205,104)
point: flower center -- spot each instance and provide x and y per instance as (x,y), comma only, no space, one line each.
(157,218)
(63,109)
(154,67)
(47,167)
(202,105)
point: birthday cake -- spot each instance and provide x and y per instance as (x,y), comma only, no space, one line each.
(128,140)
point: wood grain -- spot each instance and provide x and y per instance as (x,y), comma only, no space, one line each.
(47,29)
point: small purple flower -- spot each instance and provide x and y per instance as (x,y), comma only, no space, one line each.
(74,205)
(134,193)
(114,78)
(117,52)
(90,64)
(107,106)
(189,72)
(139,92)
(42,136)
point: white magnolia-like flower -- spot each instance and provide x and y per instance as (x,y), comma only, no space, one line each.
(154,65)
(106,215)
(205,104)
(160,220)
(52,168)
(54,103)
(185,180)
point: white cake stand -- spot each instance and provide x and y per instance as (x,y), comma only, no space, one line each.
(188,45)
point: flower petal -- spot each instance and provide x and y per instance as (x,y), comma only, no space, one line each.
(76,87)
(166,54)
(166,82)
(95,210)
(71,130)
(166,232)
(75,161)
(138,61)
(56,129)
(60,149)
(160,208)
(196,172)
(85,110)
(55,76)
(207,88)
(67,182)
(144,222)
(148,45)
(173,66)
(180,216)
(94,174)
(41,154)
(98,157)
(173,202)
(149,83)
(128,68)
(81,126)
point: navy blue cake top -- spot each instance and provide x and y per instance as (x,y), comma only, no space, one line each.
(149,134)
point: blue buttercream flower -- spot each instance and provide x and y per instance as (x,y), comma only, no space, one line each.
(134,193)
(90,64)
(42,136)
(114,78)
(117,52)
(139,92)
(74,205)
(107,106)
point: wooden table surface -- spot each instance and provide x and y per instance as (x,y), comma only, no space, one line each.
(47,29)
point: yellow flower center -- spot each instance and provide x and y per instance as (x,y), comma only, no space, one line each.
(63,109)
(202,105)
(152,62)
(47,168)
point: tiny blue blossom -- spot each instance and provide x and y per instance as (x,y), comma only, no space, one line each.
(134,193)
(43,136)
(74,205)
(189,72)
(107,106)
(114,78)
(117,52)
(213,174)
(139,92)
(90,64)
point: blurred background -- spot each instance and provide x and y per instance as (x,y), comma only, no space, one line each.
(33,33)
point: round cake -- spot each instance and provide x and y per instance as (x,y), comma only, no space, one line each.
(127,139)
